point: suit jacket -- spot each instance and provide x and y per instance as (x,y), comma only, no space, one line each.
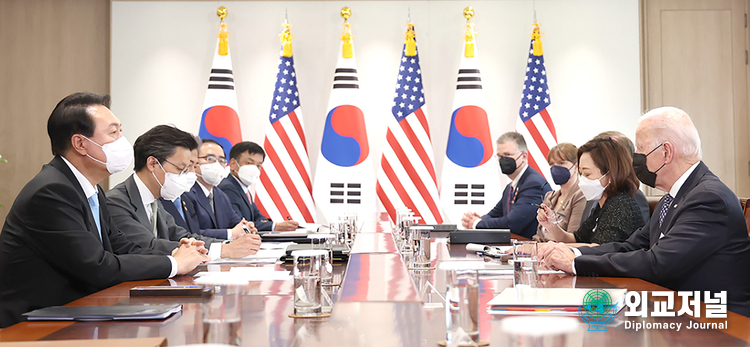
(515,210)
(50,251)
(640,199)
(126,207)
(187,223)
(244,207)
(214,224)
(705,245)
(573,209)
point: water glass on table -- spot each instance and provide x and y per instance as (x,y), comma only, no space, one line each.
(222,313)
(462,302)
(306,272)
(420,238)
(525,264)
(324,242)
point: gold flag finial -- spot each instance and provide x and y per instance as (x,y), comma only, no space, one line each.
(222,12)
(468,12)
(470,34)
(346,12)
(536,35)
(410,43)
(347,49)
(286,40)
(223,35)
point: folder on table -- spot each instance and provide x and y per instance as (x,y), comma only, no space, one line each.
(104,313)
(548,301)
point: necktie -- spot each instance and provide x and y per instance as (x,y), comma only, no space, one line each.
(154,208)
(94,205)
(249,197)
(178,205)
(665,207)
(510,199)
(211,201)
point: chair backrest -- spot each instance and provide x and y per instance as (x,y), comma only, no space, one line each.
(746,211)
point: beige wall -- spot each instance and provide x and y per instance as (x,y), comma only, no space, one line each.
(48,49)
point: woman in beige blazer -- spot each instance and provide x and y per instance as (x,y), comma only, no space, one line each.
(568,200)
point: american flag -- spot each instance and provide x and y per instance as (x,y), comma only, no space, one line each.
(285,188)
(535,122)
(407,169)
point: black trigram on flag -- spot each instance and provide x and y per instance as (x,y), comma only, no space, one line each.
(346,193)
(468,194)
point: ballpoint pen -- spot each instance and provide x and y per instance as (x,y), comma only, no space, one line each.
(557,213)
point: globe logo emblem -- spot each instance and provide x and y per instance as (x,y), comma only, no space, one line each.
(597,309)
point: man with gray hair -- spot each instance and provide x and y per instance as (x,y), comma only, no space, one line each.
(516,210)
(697,238)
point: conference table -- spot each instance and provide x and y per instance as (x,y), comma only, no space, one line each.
(380,302)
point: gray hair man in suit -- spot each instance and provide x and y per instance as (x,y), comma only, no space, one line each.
(697,238)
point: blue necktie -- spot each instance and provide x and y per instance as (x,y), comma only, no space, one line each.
(94,204)
(178,205)
(665,207)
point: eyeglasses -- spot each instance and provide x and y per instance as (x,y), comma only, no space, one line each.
(182,170)
(212,159)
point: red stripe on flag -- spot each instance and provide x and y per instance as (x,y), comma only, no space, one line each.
(550,125)
(409,132)
(533,164)
(423,120)
(290,186)
(298,126)
(388,170)
(291,151)
(406,163)
(273,194)
(538,139)
(385,201)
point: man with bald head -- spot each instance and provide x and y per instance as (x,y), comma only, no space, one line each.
(696,240)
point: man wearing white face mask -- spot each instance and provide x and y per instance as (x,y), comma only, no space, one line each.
(164,168)
(245,162)
(211,207)
(59,243)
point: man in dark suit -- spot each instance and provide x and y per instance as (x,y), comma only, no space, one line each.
(182,215)
(515,211)
(212,208)
(245,162)
(164,159)
(696,240)
(59,243)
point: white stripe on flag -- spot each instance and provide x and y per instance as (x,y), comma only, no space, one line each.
(291,169)
(286,198)
(406,182)
(296,142)
(422,172)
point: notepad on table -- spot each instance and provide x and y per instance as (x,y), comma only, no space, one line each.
(547,301)
(104,313)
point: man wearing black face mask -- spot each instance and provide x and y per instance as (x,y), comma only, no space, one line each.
(515,211)
(696,240)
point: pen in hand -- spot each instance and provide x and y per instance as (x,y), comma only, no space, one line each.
(557,213)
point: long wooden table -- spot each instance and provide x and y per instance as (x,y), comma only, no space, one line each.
(380,303)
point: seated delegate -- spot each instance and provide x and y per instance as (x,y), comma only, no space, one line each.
(568,201)
(607,176)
